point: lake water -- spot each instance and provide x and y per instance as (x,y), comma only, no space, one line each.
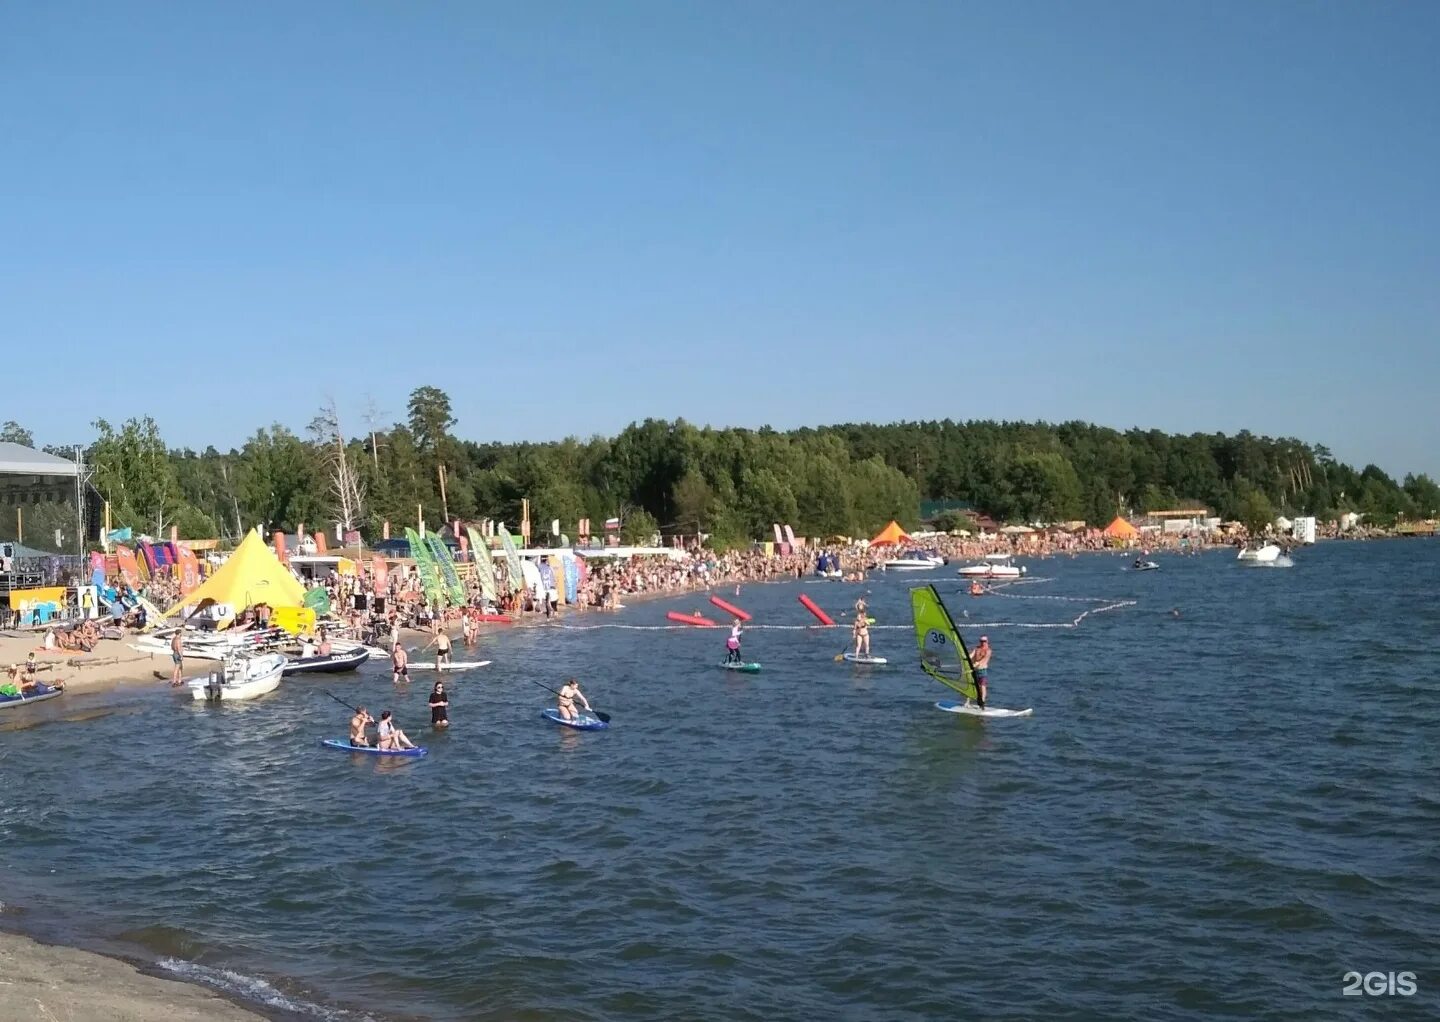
(1212,816)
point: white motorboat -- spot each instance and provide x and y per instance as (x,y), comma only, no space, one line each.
(240,678)
(1268,553)
(914,560)
(992,569)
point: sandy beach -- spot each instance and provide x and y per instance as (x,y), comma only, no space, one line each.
(45,983)
(112,662)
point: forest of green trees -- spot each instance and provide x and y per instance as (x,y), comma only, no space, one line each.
(732,483)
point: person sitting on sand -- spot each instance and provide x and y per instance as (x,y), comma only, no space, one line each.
(391,737)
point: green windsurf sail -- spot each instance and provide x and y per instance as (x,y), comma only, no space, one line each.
(445,564)
(942,652)
(481,552)
(425,565)
(512,561)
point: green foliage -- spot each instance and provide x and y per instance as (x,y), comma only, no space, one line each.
(11,432)
(676,479)
(638,528)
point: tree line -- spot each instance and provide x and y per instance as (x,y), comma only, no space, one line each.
(677,478)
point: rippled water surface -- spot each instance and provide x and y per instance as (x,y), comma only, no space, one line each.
(1210,816)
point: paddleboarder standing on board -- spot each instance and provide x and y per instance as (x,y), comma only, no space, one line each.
(732,644)
(569,692)
(980,660)
(861,630)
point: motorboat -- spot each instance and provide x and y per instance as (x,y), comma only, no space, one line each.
(992,569)
(1267,553)
(914,560)
(336,662)
(240,678)
(1144,566)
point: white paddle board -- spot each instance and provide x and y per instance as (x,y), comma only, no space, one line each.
(975,711)
(458,665)
(852,658)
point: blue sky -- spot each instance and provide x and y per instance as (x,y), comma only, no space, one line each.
(1192,217)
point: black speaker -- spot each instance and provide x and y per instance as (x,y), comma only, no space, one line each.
(362,601)
(379,607)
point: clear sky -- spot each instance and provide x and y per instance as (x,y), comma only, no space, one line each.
(572,215)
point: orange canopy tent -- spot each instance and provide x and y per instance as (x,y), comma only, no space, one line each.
(892,533)
(1121,529)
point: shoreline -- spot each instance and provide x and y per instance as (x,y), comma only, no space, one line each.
(48,981)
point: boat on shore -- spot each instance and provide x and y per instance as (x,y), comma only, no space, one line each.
(240,678)
(41,693)
(201,644)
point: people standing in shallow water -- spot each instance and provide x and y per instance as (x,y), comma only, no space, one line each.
(439,706)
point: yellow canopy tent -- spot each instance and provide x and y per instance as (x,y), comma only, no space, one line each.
(252,575)
(892,533)
(1121,529)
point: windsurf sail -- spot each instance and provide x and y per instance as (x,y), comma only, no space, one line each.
(425,565)
(942,652)
(481,552)
(512,561)
(445,566)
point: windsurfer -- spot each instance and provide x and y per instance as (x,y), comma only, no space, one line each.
(980,660)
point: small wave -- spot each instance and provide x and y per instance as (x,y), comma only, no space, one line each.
(254,989)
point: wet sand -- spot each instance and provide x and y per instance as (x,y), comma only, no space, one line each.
(45,983)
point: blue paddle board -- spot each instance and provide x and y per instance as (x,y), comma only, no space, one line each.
(344,746)
(584,722)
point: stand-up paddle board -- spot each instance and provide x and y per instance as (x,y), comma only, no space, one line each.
(457,665)
(584,722)
(974,711)
(751,668)
(344,746)
(854,659)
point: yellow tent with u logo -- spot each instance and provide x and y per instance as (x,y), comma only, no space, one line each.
(252,575)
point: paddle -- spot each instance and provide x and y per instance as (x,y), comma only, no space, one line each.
(347,706)
(342,702)
(602,717)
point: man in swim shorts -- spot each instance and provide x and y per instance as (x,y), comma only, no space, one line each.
(399,664)
(980,660)
(358,723)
